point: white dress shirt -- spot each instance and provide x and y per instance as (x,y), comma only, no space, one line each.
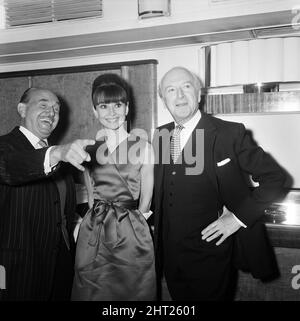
(34,141)
(189,126)
(186,132)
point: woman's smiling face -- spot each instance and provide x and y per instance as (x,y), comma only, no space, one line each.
(112,115)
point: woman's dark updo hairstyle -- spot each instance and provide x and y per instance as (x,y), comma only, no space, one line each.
(110,88)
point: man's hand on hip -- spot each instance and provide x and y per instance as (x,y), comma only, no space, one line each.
(73,153)
(225,225)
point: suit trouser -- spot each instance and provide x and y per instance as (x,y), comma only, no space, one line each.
(37,275)
(198,273)
(63,274)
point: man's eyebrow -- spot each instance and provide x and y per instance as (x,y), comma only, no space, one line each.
(45,100)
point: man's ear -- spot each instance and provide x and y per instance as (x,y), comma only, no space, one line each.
(22,109)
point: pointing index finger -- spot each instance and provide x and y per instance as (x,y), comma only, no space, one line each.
(86,142)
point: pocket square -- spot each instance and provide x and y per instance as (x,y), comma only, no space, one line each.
(223,162)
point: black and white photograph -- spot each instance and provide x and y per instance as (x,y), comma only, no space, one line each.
(149,154)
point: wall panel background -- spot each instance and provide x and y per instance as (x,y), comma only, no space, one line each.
(11,90)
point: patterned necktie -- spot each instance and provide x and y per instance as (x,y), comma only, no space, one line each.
(175,143)
(43,143)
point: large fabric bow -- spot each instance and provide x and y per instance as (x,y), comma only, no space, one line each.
(107,214)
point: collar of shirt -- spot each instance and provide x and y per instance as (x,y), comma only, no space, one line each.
(34,140)
(189,126)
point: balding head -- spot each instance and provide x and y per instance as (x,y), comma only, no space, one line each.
(178,70)
(39,109)
(180,92)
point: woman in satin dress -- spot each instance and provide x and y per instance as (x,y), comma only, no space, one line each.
(114,255)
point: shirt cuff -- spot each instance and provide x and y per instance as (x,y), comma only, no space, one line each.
(240,222)
(47,167)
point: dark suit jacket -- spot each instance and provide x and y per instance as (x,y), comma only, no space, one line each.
(222,140)
(30,218)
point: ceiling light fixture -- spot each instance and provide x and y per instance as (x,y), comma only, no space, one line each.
(153,8)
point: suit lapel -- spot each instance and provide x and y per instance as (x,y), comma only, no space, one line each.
(162,153)
(210,134)
(56,178)
(21,139)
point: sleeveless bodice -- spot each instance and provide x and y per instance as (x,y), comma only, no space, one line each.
(109,171)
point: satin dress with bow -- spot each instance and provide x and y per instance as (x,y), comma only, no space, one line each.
(114,255)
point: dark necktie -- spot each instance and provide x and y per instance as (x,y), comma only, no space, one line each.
(175,143)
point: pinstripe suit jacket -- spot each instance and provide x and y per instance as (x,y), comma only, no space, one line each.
(30,218)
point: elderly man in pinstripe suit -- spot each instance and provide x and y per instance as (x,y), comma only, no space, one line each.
(37,203)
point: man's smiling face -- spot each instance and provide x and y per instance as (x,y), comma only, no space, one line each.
(41,113)
(180,94)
